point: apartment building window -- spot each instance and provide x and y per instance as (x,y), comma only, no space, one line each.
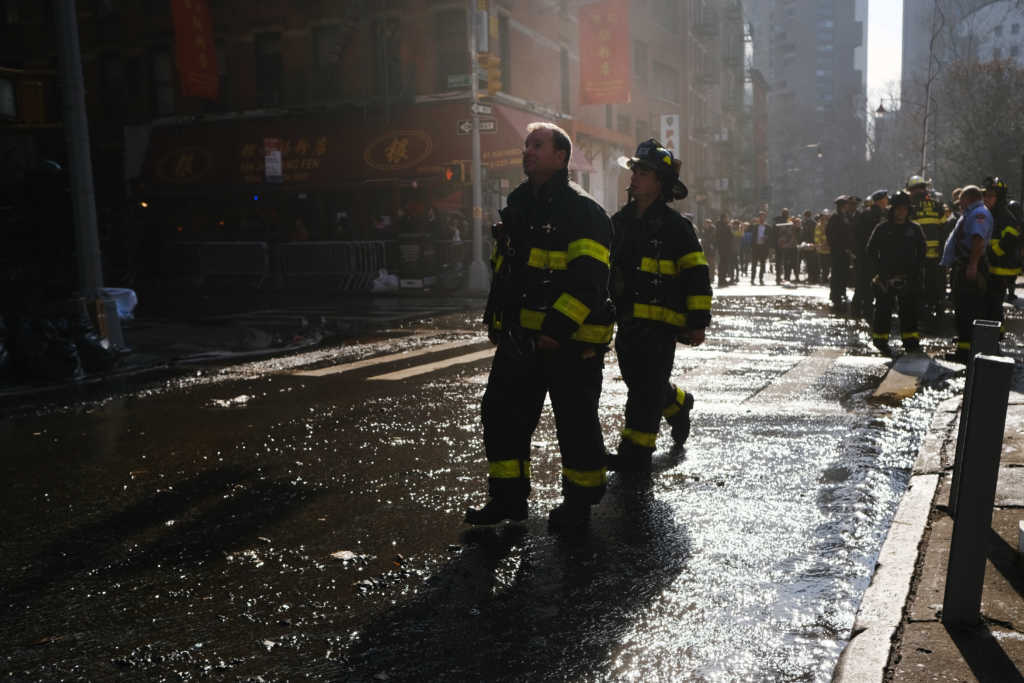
(624,124)
(386,32)
(452,59)
(666,14)
(504,52)
(997,53)
(1015,29)
(270,67)
(666,82)
(643,130)
(1015,51)
(326,51)
(998,31)
(162,71)
(640,62)
(112,83)
(564,69)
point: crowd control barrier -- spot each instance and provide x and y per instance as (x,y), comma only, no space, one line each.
(200,260)
(351,265)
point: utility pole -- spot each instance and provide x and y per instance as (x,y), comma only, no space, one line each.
(477,272)
(83,196)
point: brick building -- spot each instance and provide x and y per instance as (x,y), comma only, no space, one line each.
(367,103)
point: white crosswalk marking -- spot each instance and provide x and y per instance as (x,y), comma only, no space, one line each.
(437,365)
(389,358)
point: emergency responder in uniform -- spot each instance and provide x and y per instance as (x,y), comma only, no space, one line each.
(662,294)
(550,315)
(871,216)
(964,254)
(1003,248)
(839,233)
(895,256)
(928,213)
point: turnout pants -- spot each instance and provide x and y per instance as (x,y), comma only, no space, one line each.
(520,378)
(840,274)
(934,284)
(646,354)
(907,302)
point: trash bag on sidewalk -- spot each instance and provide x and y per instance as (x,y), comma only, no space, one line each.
(384,282)
(41,351)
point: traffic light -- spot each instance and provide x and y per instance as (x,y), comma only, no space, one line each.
(451,173)
(491,66)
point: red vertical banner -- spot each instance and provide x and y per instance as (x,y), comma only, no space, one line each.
(605,52)
(194,48)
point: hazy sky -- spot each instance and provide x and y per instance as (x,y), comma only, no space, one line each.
(885,34)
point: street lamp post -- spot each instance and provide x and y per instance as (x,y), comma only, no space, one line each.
(477,272)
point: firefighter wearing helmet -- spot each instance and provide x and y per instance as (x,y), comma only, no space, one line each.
(1003,249)
(929,214)
(662,292)
(896,256)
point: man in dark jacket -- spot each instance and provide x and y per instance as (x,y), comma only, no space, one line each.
(895,254)
(1003,249)
(550,315)
(839,233)
(866,221)
(662,293)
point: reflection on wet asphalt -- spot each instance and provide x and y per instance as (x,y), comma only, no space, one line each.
(253,524)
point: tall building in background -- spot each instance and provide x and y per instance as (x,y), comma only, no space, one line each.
(813,57)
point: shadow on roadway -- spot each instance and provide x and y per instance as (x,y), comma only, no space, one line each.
(212,511)
(519,604)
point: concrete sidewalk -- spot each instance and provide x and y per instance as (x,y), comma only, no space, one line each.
(899,634)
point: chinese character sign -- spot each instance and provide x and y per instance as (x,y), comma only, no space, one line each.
(194,48)
(604,52)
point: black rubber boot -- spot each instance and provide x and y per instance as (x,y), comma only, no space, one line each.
(569,519)
(629,460)
(498,510)
(681,421)
(884,349)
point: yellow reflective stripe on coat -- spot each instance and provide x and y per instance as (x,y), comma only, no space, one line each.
(497,263)
(586,478)
(964,345)
(656,266)
(508,469)
(591,334)
(572,308)
(931,249)
(698,303)
(548,260)
(1011,230)
(677,406)
(588,247)
(879,335)
(640,438)
(996,270)
(910,335)
(996,249)
(692,260)
(660,314)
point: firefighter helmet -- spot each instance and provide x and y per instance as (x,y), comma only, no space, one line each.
(917,181)
(996,185)
(651,154)
(901,198)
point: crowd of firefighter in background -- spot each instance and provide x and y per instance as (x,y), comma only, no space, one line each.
(907,251)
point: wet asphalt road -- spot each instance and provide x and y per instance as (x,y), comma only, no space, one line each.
(185,530)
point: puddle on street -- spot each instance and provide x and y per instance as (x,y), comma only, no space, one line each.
(314,530)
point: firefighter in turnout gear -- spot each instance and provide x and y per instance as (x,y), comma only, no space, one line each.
(929,214)
(550,315)
(1003,249)
(896,256)
(662,293)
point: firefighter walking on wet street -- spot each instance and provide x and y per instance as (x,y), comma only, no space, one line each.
(896,256)
(549,313)
(662,292)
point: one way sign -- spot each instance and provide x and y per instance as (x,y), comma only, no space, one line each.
(465,126)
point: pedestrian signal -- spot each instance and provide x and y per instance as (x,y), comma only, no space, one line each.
(452,173)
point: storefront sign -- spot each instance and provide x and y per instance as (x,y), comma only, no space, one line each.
(184,165)
(605,52)
(399,149)
(194,49)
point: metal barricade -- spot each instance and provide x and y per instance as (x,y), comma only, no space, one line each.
(200,260)
(351,265)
